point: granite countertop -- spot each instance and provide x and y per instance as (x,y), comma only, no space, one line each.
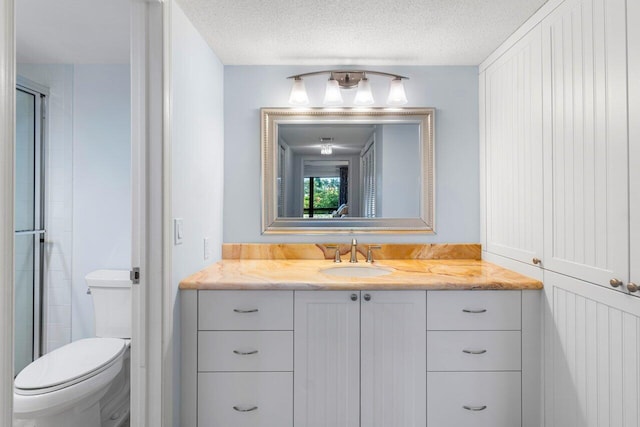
(306,274)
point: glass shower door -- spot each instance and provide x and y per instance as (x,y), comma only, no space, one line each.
(29,223)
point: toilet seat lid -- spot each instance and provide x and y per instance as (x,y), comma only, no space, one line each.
(69,363)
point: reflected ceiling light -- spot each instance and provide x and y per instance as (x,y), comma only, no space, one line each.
(348,79)
(298,95)
(325,147)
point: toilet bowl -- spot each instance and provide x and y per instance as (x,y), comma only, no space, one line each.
(84,383)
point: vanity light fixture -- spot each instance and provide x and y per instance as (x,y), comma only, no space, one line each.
(348,79)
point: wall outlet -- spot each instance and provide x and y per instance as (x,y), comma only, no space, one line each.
(178,231)
(207,248)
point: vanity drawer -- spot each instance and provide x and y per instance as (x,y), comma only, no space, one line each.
(245,351)
(492,399)
(270,393)
(473,351)
(473,310)
(245,310)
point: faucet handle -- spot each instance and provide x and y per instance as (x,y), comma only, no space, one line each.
(370,253)
(336,257)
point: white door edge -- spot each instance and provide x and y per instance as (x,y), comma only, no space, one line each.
(7,135)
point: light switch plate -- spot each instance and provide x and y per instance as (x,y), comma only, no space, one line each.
(178,231)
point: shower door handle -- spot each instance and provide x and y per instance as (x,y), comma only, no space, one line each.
(28,232)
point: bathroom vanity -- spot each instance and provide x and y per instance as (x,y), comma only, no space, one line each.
(436,342)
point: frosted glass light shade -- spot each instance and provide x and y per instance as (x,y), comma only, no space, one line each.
(298,95)
(332,95)
(364,96)
(326,149)
(397,95)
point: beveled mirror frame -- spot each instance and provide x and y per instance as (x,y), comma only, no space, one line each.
(270,118)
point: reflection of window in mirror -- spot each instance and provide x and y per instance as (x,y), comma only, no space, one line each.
(325,189)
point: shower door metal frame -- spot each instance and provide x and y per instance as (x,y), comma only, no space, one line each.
(38,231)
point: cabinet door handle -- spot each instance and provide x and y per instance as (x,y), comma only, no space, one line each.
(632,287)
(475,408)
(482,310)
(245,353)
(474,351)
(536,261)
(615,283)
(354,297)
(367,297)
(251,310)
(240,409)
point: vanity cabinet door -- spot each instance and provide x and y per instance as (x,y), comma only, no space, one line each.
(327,359)
(511,103)
(393,361)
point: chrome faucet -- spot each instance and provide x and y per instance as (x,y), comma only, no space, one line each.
(354,251)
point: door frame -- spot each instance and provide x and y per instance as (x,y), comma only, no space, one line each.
(151,363)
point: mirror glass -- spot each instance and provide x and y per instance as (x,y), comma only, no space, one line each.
(341,171)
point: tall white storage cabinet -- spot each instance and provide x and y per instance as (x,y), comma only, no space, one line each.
(585,132)
(591,204)
(512,101)
(633,62)
(360,358)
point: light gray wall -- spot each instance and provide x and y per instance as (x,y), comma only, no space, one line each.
(197,160)
(101,181)
(453,91)
(400,171)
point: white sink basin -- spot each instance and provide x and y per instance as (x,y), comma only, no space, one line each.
(356,271)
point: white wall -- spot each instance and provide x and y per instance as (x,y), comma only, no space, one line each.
(101,181)
(58,198)
(197,158)
(453,91)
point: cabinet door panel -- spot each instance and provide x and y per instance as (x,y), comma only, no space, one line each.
(585,141)
(513,151)
(393,367)
(327,359)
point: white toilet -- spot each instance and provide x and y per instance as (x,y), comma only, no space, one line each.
(84,383)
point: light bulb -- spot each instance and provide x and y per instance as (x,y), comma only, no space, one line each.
(298,94)
(326,149)
(332,95)
(397,95)
(364,95)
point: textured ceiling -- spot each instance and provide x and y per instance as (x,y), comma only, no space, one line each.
(376,32)
(72,31)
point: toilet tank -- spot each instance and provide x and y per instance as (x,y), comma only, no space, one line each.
(111,292)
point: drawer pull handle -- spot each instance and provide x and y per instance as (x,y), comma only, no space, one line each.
(251,310)
(245,353)
(482,310)
(475,408)
(474,351)
(239,409)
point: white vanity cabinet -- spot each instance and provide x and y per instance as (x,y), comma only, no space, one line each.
(360,358)
(474,358)
(245,359)
(410,358)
